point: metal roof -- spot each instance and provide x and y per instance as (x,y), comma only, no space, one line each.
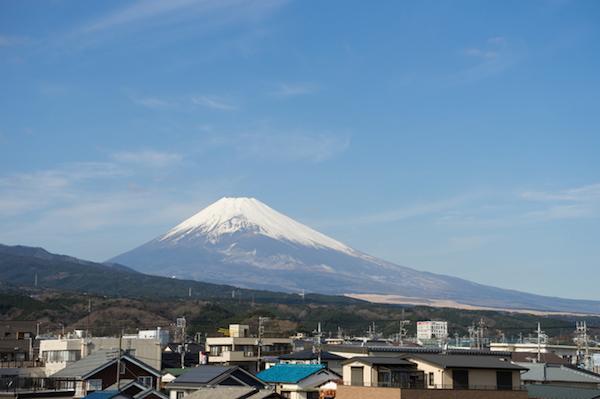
(291,373)
(88,364)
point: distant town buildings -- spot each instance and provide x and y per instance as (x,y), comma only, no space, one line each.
(432,330)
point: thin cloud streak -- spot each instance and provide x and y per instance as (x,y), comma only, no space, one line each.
(149,158)
(286,147)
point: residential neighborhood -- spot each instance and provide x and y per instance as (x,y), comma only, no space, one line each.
(241,363)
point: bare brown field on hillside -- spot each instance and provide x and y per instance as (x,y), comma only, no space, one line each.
(440,303)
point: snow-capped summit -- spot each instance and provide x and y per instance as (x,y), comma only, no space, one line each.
(233,215)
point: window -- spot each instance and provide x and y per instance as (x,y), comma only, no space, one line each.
(121,367)
(145,381)
(431,380)
(286,394)
(312,395)
(179,394)
(6,335)
(94,385)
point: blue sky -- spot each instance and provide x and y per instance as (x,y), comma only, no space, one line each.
(459,138)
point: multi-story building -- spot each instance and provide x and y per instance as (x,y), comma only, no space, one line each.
(62,351)
(17,343)
(432,330)
(244,350)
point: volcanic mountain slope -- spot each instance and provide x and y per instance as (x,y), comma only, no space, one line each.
(243,242)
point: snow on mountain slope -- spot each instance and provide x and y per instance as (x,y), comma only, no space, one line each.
(231,215)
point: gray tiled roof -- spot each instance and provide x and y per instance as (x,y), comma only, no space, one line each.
(558,392)
(557,373)
(223,392)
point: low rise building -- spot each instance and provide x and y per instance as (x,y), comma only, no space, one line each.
(244,350)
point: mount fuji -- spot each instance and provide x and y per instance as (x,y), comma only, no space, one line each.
(243,242)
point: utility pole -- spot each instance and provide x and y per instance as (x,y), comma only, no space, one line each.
(540,334)
(119,364)
(317,349)
(261,330)
(583,355)
(181,324)
(480,328)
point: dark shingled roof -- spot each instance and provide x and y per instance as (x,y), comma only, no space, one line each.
(310,355)
(381,361)
(548,358)
(467,361)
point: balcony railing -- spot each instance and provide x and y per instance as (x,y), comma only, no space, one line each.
(19,364)
(27,384)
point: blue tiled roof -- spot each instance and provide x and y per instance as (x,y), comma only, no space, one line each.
(290,373)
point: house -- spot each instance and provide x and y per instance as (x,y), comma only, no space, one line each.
(298,381)
(381,371)
(212,376)
(242,349)
(99,371)
(559,374)
(469,371)
(332,361)
(189,353)
(431,376)
(16,342)
(170,374)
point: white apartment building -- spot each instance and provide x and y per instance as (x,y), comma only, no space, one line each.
(432,329)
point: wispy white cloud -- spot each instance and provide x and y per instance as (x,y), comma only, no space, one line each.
(296,89)
(23,192)
(211,102)
(586,193)
(496,56)
(149,158)
(284,146)
(198,15)
(12,40)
